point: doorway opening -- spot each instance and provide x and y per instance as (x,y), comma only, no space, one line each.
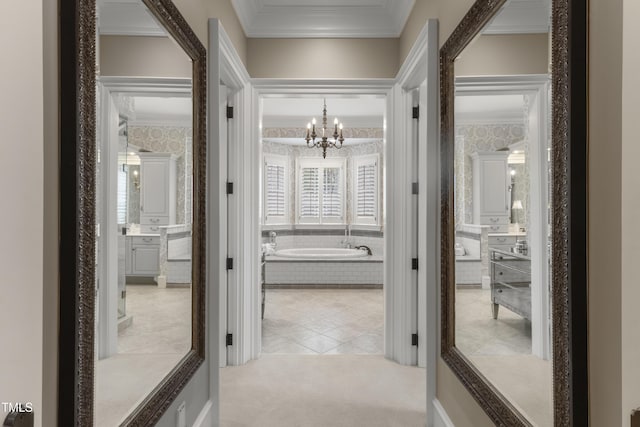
(322,224)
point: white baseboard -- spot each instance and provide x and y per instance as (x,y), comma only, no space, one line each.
(441,418)
(205,418)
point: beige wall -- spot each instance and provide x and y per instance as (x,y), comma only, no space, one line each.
(142,57)
(495,55)
(605,108)
(51,217)
(459,404)
(322,58)
(630,210)
(198,12)
(22,177)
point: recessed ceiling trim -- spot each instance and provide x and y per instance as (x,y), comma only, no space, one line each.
(315,19)
(301,142)
(300,121)
(475,119)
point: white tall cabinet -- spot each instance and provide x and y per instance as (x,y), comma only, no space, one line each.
(157,191)
(491,190)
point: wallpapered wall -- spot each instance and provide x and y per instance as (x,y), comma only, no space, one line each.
(293,152)
(473,138)
(175,140)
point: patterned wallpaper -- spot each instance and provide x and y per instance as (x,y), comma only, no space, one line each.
(133,198)
(472,138)
(174,140)
(293,152)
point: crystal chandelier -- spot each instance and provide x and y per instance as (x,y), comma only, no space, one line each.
(324,142)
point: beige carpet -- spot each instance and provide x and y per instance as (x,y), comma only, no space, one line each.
(287,390)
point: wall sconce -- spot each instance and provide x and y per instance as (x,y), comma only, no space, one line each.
(517,206)
(136,179)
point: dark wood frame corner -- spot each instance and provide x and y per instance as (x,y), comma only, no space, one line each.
(77,55)
(569,245)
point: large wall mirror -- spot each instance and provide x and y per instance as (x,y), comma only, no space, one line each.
(133,197)
(512,313)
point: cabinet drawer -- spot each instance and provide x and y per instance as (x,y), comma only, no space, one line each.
(151,229)
(145,240)
(494,220)
(502,240)
(498,228)
(154,220)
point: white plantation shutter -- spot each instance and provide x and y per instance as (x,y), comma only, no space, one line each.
(275,189)
(321,191)
(331,194)
(309,193)
(366,189)
(366,202)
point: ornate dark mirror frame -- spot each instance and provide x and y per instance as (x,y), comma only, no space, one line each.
(77,30)
(569,245)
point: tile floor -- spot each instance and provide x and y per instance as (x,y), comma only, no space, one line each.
(323,321)
(478,333)
(161,320)
(501,350)
(159,336)
(307,390)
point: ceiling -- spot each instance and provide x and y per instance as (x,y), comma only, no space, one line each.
(489,109)
(522,17)
(170,111)
(127,18)
(297,112)
(353,112)
(323,18)
(320,18)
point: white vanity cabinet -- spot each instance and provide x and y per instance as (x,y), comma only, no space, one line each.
(491,192)
(157,191)
(504,242)
(143,256)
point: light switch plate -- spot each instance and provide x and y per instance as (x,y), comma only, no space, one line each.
(181,416)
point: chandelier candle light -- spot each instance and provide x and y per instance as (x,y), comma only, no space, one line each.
(324,142)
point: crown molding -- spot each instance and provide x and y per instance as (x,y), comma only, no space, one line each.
(343,19)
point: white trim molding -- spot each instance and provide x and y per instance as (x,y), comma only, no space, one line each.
(440,418)
(205,417)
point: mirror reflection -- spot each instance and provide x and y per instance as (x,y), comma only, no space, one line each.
(502,230)
(144,209)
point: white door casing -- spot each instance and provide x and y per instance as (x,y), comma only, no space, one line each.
(107,298)
(536,89)
(402,315)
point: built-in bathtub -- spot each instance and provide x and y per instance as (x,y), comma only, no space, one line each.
(314,254)
(323,267)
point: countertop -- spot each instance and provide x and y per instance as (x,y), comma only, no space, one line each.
(143,235)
